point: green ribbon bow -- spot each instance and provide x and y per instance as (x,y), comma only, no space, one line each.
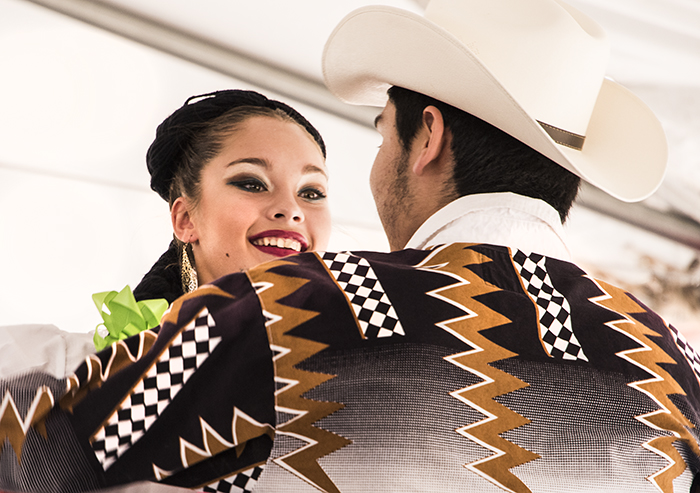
(124,317)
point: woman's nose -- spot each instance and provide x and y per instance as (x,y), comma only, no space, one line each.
(287,209)
(294,217)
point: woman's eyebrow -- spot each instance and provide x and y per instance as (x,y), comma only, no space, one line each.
(312,168)
(263,163)
(251,160)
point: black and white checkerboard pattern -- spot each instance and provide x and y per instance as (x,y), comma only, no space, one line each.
(554,311)
(153,394)
(690,354)
(243,482)
(368,299)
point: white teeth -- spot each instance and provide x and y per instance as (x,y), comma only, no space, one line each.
(286,243)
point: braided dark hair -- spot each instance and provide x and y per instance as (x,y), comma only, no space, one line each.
(163,280)
(185,142)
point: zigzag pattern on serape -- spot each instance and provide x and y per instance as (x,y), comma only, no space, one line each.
(453,261)
(243,429)
(158,387)
(292,383)
(658,387)
(14,429)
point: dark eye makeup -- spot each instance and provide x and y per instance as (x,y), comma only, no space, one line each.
(312,194)
(256,185)
(249,184)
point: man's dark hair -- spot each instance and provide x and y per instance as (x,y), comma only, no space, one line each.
(486,158)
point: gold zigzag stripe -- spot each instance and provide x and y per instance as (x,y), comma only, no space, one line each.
(452,261)
(14,428)
(243,428)
(303,461)
(648,357)
(120,357)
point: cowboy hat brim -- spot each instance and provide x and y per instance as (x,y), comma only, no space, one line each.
(376,47)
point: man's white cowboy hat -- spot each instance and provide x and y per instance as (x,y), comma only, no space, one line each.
(533,68)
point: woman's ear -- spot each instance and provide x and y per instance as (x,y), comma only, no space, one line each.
(181,217)
(433,142)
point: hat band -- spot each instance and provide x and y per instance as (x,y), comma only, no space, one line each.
(563,137)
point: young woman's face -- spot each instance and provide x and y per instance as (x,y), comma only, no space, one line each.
(262,197)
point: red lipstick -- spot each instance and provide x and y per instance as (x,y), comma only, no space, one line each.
(279,243)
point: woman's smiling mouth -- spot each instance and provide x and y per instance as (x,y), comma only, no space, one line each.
(286,243)
(279,243)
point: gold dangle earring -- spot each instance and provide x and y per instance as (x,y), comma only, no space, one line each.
(188,273)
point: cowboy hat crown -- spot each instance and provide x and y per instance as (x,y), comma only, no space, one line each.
(532,68)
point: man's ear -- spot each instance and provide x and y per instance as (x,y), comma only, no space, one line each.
(433,142)
(181,217)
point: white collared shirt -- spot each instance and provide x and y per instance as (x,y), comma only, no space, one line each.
(506,219)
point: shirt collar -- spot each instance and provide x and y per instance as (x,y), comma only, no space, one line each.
(517,222)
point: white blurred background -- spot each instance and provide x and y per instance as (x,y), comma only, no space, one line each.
(85,83)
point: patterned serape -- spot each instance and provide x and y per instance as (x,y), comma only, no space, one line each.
(461,368)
